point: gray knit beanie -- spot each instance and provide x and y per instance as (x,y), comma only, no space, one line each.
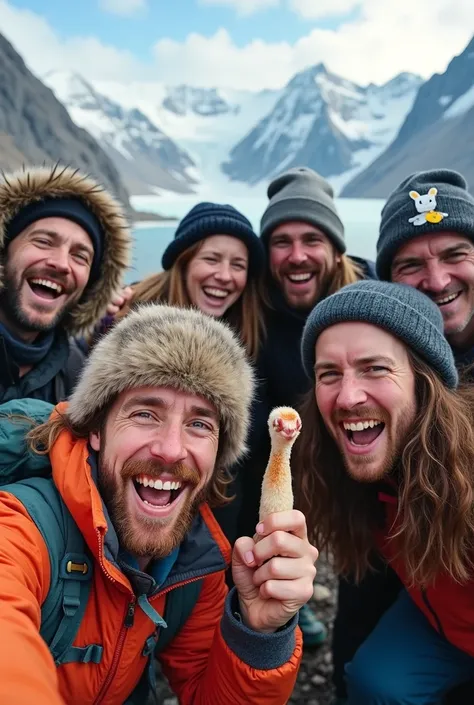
(399,309)
(300,194)
(425,202)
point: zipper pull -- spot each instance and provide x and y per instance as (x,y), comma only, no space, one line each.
(130,616)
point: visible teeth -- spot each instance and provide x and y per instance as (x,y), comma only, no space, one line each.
(446,299)
(216,292)
(303,277)
(361,425)
(158,484)
(154,505)
(48,283)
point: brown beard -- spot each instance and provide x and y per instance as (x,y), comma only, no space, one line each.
(11,301)
(149,540)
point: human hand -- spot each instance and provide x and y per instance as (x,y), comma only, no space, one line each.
(274,577)
(119,300)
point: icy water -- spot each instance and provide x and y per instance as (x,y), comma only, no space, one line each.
(361,219)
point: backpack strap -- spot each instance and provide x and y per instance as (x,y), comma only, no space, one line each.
(71,570)
(179,605)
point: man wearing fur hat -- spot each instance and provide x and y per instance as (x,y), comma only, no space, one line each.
(427,241)
(304,238)
(386,462)
(64,247)
(160,411)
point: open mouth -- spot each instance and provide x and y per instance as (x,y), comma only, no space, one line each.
(45,288)
(300,277)
(448,299)
(215,294)
(156,493)
(363,433)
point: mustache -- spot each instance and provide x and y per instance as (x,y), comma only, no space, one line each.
(154,468)
(341,415)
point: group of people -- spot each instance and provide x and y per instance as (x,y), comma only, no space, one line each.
(133,426)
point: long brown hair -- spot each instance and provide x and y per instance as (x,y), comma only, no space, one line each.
(347,272)
(434,529)
(245,316)
(42,437)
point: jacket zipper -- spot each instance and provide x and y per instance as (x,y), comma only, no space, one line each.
(127,623)
(432,612)
(129,620)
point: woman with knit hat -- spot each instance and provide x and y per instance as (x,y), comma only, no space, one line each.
(213,264)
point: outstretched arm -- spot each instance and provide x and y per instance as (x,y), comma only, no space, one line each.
(27,670)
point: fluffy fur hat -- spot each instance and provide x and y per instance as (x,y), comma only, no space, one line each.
(160,345)
(24,187)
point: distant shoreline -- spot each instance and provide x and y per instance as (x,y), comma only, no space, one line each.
(140,217)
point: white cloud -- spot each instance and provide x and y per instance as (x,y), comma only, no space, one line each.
(317,9)
(243,7)
(122,7)
(386,38)
(43,50)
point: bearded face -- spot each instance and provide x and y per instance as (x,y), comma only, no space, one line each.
(365,392)
(46,271)
(157,453)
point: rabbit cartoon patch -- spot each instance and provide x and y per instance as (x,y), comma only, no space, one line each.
(426,207)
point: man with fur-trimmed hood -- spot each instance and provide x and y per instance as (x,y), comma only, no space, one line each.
(138,456)
(64,247)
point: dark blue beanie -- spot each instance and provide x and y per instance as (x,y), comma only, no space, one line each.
(207,219)
(71,209)
(425,202)
(399,309)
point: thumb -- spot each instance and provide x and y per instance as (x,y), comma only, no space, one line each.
(243,567)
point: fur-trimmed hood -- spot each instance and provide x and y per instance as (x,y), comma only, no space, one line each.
(25,186)
(166,346)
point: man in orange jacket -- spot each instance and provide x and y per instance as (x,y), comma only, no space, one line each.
(161,409)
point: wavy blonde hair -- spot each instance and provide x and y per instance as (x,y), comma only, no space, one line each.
(434,529)
(169,287)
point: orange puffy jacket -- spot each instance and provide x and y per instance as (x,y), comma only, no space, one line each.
(213,660)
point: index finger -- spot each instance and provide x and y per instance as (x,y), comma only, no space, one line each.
(292,521)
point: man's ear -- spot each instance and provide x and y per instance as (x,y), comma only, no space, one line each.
(94,440)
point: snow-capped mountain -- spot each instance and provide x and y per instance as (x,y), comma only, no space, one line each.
(437,132)
(211,141)
(326,122)
(206,123)
(145,156)
(208,102)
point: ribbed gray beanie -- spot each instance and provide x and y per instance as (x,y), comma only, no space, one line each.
(397,308)
(301,194)
(425,202)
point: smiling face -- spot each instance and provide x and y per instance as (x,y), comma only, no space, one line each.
(302,262)
(442,266)
(217,274)
(47,269)
(365,392)
(157,453)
